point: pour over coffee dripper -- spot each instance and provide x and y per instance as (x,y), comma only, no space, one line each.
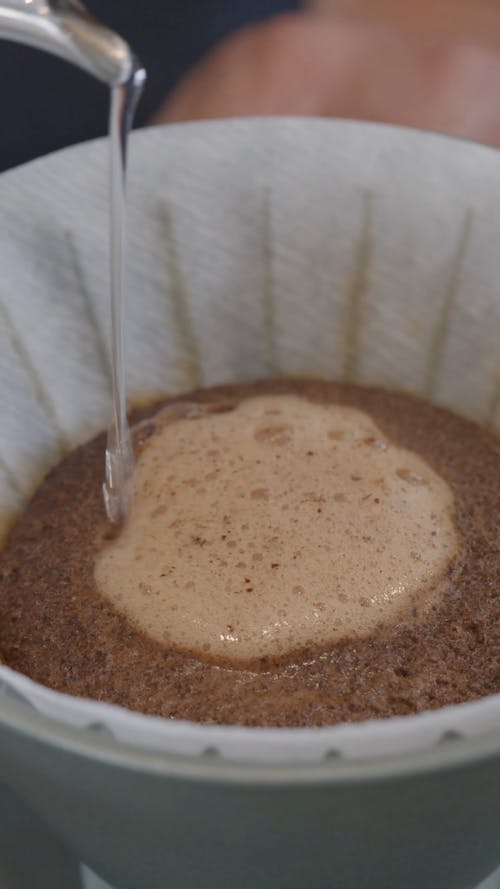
(66,29)
(267,268)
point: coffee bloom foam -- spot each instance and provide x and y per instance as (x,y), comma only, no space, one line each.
(276,525)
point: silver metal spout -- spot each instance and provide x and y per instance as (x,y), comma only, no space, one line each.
(65,28)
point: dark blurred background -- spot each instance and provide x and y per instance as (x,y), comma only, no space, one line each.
(434,64)
(46,103)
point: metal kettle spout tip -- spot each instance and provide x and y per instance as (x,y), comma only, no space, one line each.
(66,29)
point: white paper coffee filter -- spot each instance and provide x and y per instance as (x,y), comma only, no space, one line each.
(257,248)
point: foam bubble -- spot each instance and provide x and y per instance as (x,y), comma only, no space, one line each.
(259,530)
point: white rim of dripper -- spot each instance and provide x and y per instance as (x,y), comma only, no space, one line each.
(452,753)
(379,740)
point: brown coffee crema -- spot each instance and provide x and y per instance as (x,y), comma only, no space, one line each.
(297,553)
(276,525)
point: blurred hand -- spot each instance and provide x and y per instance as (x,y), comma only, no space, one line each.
(306,64)
(474,20)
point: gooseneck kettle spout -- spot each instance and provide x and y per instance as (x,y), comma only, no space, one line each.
(65,28)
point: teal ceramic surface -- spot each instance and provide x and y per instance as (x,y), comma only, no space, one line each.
(149,822)
(31,856)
